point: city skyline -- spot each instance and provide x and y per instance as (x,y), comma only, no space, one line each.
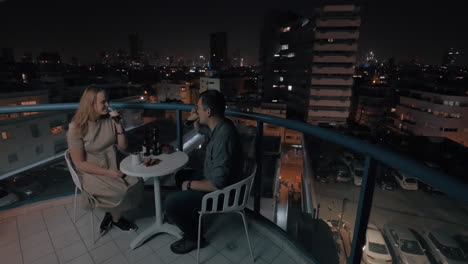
(84,29)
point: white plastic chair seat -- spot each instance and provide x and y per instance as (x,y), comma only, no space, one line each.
(76,180)
(232,198)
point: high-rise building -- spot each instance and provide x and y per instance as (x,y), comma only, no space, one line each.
(373,105)
(236,58)
(334,59)
(136,47)
(285,60)
(201,61)
(450,57)
(218,51)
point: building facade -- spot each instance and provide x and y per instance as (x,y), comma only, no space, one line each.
(431,114)
(334,59)
(218,51)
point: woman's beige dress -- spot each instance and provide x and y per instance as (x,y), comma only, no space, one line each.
(102,191)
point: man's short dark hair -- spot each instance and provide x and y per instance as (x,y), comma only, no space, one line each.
(213,100)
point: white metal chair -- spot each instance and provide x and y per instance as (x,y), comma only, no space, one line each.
(228,200)
(76,180)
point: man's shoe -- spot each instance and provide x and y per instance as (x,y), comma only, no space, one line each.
(185,245)
(124,225)
(106,224)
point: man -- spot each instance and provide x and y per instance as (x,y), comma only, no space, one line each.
(221,168)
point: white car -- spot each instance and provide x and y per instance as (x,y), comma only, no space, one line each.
(357,171)
(347,158)
(405,246)
(375,250)
(444,248)
(406,182)
(7,197)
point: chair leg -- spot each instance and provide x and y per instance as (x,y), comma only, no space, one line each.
(247,234)
(92,226)
(199,236)
(74,207)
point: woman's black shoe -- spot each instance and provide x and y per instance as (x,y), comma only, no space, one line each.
(106,224)
(125,225)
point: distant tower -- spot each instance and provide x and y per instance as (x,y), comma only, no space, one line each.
(450,57)
(218,50)
(236,58)
(136,47)
(335,48)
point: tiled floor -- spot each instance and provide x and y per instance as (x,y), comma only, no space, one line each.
(46,233)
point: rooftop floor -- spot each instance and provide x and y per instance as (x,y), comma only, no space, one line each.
(44,232)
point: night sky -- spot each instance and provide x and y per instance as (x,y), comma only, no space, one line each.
(402,29)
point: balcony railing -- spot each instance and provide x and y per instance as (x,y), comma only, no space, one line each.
(371,154)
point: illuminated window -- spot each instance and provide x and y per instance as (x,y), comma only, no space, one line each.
(29,103)
(291,55)
(6,135)
(56,130)
(275,86)
(281,78)
(330,40)
(286,29)
(276,55)
(289,87)
(284,47)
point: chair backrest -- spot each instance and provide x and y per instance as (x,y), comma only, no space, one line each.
(71,168)
(231,198)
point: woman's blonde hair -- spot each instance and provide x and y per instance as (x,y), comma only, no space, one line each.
(86,110)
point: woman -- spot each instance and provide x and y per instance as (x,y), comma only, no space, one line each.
(92,138)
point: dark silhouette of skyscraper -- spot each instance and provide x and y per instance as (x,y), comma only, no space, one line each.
(136,47)
(218,50)
(236,58)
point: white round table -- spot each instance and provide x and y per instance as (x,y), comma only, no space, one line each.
(170,163)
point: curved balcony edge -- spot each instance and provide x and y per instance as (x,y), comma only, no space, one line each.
(442,181)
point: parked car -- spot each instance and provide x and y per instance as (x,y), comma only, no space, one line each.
(7,197)
(357,171)
(340,171)
(443,247)
(405,246)
(26,185)
(60,166)
(428,188)
(406,182)
(388,183)
(347,158)
(462,241)
(375,250)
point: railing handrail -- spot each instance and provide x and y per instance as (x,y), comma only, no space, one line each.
(442,181)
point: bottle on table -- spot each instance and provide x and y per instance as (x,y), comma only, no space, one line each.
(146,146)
(155,137)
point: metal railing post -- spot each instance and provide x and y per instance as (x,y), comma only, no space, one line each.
(363,210)
(180,141)
(259,159)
